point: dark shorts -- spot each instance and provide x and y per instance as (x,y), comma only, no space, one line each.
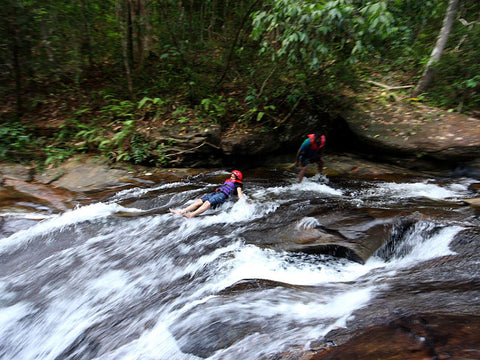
(215,199)
(305,160)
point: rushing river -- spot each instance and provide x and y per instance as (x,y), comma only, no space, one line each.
(122,278)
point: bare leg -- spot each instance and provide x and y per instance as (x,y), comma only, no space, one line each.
(320,166)
(302,174)
(189,208)
(193,206)
(204,207)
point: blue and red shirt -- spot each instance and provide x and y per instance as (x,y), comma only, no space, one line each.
(309,146)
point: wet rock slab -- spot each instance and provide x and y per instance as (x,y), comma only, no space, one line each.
(27,192)
(340,234)
(17,172)
(81,175)
(65,186)
(318,241)
(415,337)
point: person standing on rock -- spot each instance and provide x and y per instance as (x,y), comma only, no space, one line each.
(310,151)
(231,186)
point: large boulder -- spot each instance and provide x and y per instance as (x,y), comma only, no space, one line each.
(331,234)
(415,130)
(385,130)
(293,238)
(16,172)
(83,174)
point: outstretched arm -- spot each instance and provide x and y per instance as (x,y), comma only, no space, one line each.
(297,158)
(239,192)
(301,150)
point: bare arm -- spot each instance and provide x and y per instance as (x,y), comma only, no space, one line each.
(239,192)
(297,158)
(299,152)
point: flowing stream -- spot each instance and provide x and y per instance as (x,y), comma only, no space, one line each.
(122,278)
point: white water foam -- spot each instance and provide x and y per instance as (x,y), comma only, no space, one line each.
(307,223)
(424,248)
(426,189)
(138,192)
(154,344)
(251,262)
(11,315)
(58,222)
(244,209)
(315,188)
(70,309)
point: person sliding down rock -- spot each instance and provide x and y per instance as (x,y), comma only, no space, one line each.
(310,152)
(231,186)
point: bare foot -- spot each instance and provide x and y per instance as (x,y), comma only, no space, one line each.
(178,212)
(189,215)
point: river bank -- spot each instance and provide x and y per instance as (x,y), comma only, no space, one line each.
(64,185)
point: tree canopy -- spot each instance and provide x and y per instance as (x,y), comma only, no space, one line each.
(223,60)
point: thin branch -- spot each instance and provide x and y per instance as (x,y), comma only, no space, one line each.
(234,43)
(388,87)
(265,81)
(191,150)
(291,112)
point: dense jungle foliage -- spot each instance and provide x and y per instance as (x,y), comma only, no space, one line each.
(101,69)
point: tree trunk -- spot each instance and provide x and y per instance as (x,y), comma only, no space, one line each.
(437,52)
(128,16)
(140,32)
(13,30)
(86,43)
(125,22)
(18,74)
(213,20)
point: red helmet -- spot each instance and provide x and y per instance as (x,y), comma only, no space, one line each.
(238,174)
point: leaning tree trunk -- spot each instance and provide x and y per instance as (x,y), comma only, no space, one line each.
(437,52)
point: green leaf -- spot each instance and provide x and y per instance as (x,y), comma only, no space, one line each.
(471,83)
(142,102)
